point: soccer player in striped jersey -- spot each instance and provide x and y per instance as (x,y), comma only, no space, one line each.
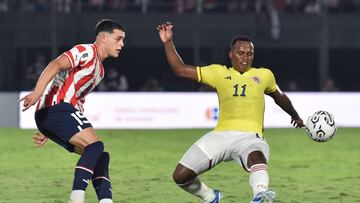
(238,135)
(60,93)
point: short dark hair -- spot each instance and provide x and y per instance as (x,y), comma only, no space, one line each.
(243,38)
(107,25)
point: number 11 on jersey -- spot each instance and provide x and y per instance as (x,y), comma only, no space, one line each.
(236,89)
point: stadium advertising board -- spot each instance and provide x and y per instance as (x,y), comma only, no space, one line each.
(198,110)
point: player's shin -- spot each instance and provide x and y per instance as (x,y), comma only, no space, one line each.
(101,179)
(259,178)
(84,171)
(198,188)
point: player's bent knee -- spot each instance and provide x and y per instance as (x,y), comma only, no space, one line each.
(79,150)
(176,177)
(256,157)
(183,175)
(84,138)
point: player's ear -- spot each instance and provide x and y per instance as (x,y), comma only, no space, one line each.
(102,36)
(105,36)
(230,54)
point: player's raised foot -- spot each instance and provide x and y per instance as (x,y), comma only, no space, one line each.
(264,197)
(218,196)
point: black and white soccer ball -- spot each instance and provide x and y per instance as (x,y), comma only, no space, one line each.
(321,126)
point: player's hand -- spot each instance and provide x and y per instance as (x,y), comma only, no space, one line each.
(29,100)
(165,32)
(39,139)
(297,123)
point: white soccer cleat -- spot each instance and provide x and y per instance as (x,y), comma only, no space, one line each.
(218,196)
(264,197)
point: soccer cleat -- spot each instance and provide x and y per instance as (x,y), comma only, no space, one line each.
(218,196)
(264,197)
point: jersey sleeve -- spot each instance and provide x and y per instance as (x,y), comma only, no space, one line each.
(270,81)
(80,55)
(208,74)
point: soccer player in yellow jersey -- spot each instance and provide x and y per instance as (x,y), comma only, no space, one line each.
(238,135)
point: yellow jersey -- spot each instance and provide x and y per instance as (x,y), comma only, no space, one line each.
(241,96)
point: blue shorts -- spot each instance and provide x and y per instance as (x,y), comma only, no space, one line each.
(60,122)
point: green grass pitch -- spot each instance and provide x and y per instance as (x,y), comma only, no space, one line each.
(142,161)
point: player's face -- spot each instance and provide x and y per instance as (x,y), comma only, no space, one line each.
(115,42)
(242,55)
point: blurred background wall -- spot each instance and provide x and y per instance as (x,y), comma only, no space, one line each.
(311,45)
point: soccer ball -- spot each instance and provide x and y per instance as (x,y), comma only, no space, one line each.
(321,126)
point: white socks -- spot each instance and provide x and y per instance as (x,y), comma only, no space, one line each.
(77,196)
(199,189)
(259,178)
(106,201)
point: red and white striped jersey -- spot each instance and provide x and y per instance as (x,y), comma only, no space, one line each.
(74,84)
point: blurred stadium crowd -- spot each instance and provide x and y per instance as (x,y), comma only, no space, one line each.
(30,60)
(180,6)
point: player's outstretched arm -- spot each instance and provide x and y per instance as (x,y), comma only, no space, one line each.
(284,102)
(53,68)
(176,63)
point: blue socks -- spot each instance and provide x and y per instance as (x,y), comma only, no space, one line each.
(84,169)
(94,165)
(100,178)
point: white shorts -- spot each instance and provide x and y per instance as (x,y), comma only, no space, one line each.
(217,146)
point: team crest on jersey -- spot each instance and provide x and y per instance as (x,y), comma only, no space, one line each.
(256,79)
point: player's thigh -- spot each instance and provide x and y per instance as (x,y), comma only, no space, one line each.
(206,153)
(242,149)
(84,138)
(61,122)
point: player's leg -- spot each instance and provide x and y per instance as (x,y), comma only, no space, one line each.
(101,179)
(206,153)
(189,181)
(84,169)
(79,150)
(259,178)
(254,155)
(70,129)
